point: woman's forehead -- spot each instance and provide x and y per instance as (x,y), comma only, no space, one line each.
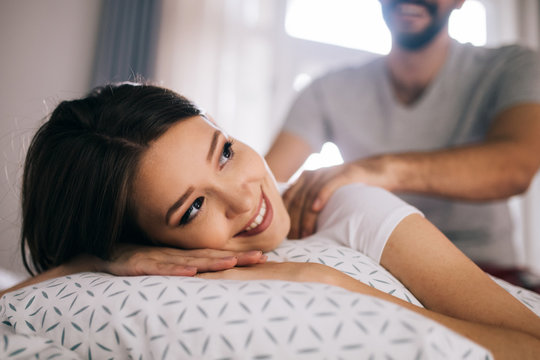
(173,162)
(184,142)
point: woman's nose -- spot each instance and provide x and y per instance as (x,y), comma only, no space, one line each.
(239,198)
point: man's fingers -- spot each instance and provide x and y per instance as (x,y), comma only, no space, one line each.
(324,194)
(299,204)
(292,192)
(308,223)
(292,200)
(296,208)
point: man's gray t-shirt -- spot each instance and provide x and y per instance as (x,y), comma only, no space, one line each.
(356,109)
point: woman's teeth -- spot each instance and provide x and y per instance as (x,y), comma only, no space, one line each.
(258,220)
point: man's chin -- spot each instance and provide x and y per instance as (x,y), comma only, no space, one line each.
(418,41)
(413,43)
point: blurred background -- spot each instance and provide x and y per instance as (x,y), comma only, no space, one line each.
(241,60)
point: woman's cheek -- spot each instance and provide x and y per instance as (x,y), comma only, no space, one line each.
(214,234)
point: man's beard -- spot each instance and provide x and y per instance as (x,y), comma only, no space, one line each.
(416,41)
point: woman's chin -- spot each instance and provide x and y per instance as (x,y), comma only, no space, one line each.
(273,244)
(283,235)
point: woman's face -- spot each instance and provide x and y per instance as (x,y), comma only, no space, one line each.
(197,188)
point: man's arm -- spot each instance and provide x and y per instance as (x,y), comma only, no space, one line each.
(501,166)
(287,154)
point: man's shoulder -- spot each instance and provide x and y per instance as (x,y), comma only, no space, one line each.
(499,53)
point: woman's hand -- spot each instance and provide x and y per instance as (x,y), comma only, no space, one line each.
(132,260)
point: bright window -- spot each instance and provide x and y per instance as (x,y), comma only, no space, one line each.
(468,24)
(329,156)
(359,24)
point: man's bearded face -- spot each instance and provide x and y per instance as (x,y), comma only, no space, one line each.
(415,23)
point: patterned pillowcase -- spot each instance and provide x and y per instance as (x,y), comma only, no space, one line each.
(94,315)
(347,260)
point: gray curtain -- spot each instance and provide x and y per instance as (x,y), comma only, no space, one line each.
(127,40)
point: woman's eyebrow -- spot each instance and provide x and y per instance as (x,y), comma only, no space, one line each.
(178,203)
(212,145)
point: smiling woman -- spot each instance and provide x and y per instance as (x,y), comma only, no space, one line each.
(166,175)
(230,202)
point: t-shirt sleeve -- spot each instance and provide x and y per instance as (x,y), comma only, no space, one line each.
(306,117)
(519,80)
(363,217)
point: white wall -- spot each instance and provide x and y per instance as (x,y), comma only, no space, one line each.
(221,55)
(47,53)
(234,58)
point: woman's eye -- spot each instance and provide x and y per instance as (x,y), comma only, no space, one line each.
(192,211)
(226,154)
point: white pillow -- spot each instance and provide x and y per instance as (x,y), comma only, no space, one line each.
(95,315)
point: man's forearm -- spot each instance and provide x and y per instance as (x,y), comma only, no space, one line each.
(501,166)
(489,171)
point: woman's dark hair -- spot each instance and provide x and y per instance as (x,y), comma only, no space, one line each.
(80,167)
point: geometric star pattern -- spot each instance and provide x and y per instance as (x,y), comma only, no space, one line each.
(99,316)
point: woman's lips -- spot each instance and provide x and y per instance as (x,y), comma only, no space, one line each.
(257,225)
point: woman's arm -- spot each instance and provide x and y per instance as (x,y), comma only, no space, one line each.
(504,343)
(133,260)
(80,265)
(447,282)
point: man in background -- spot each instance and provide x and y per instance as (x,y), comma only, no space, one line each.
(451,128)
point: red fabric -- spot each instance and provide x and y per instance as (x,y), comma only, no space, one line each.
(516,276)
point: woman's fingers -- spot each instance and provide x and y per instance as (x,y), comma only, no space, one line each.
(149,260)
(214,260)
(168,269)
(209,265)
(250,258)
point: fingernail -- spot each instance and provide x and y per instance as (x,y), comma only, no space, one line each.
(263,258)
(188,271)
(316,204)
(254,253)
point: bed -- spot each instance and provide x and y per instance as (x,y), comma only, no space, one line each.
(96,315)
